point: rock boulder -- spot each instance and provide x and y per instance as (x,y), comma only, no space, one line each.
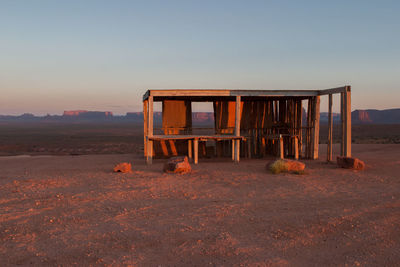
(350,163)
(177,165)
(123,167)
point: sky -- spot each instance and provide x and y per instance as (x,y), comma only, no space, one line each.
(104,55)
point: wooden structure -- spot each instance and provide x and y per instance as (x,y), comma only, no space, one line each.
(252,122)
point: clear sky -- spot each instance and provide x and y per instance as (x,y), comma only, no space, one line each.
(103,55)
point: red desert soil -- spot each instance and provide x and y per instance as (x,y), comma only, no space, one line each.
(73,210)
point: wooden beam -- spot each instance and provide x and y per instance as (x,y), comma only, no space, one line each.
(237,128)
(145,108)
(347,125)
(330,129)
(281,148)
(332,91)
(315,130)
(245,93)
(149,157)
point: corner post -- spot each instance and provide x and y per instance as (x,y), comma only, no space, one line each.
(342,123)
(330,130)
(237,129)
(347,124)
(145,106)
(149,158)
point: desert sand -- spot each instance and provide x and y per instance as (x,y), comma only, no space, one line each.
(73,210)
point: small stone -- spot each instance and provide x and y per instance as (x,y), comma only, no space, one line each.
(123,167)
(177,165)
(350,163)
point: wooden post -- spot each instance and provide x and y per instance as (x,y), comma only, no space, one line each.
(149,158)
(296,147)
(342,122)
(190,149)
(145,106)
(233,150)
(237,129)
(330,130)
(315,130)
(196,150)
(300,125)
(281,152)
(347,124)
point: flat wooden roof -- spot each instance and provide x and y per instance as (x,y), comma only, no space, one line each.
(210,93)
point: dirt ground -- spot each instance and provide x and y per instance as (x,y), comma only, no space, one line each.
(72,210)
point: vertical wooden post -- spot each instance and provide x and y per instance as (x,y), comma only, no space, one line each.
(237,129)
(145,106)
(296,147)
(315,130)
(309,128)
(281,152)
(342,122)
(233,149)
(347,119)
(330,130)
(196,150)
(149,158)
(190,149)
(300,125)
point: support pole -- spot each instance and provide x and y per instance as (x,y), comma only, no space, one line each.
(190,149)
(149,158)
(296,148)
(281,151)
(237,129)
(330,130)
(145,107)
(347,119)
(315,130)
(196,150)
(233,150)
(342,123)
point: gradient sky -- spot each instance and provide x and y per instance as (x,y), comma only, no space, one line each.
(103,55)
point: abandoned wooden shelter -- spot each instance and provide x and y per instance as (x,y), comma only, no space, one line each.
(252,123)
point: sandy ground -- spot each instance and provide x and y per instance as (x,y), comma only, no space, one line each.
(72,210)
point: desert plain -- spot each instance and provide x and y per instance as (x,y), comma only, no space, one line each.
(61,205)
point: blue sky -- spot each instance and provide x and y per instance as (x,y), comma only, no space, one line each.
(103,55)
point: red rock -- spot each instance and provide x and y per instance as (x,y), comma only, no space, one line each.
(350,163)
(123,167)
(177,165)
(286,165)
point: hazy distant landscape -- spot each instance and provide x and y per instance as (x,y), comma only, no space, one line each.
(103,133)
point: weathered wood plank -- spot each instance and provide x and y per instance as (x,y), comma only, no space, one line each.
(192,137)
(332,91)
